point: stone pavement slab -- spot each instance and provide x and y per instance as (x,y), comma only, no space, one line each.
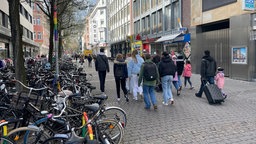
(190,120)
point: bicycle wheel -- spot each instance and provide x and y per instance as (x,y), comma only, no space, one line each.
(28,135)
(109,131)
(55,140)
(5,140)
(7,112)
(115,113)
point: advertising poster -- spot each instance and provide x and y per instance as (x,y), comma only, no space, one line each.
(239,55)
(138,46)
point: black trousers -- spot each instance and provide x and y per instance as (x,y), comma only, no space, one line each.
(122,82)
(102,77)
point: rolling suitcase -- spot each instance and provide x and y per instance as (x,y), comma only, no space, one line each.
(213,94)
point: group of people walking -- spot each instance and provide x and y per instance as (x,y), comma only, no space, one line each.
(140,76)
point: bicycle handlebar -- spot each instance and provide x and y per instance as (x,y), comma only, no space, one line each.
(30,88)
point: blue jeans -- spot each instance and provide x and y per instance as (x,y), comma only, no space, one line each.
(176,84)
(167,87)
(203,82)
(149,91)
(180,82)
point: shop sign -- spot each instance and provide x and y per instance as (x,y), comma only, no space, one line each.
(138,46)
(248,5)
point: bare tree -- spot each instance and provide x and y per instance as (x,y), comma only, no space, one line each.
(16,39)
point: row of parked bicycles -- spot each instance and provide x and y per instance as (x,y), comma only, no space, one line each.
(56,109)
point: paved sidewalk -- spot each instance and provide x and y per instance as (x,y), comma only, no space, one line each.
(190,120)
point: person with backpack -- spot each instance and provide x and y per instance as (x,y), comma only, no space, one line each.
(208,71)
(120,74)
(149,76)
(134,67)
(167,71)
(102,67)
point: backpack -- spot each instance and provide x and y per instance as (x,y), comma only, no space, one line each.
(119,72)
(150,71)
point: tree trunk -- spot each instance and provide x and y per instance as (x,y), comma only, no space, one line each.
(16,39)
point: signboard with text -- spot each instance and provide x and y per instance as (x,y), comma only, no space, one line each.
(248,5)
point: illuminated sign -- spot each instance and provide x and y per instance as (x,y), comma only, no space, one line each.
(248,5)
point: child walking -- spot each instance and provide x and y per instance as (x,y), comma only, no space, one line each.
(187,74)
(220,80)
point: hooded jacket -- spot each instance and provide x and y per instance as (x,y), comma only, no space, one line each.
(208,67)
(133,67)
(166,66)
(101,63)
(187,70)
(220,79)
(121,64)
(141,76)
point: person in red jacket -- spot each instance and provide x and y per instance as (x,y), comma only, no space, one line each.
(187,74)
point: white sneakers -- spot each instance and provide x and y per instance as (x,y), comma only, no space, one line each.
(166,104)
(118,99)
(103,94)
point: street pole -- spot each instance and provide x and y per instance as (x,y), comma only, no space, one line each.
(56,38)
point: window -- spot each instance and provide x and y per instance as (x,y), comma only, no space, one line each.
(103,2)
(101,12)
(34,36)
(39,35)
(34,21)
(28,33)
(101,36)
(38,21)
(1,18)
(101,22)
(168,17)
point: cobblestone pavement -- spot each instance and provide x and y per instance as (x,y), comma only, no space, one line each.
(190,120)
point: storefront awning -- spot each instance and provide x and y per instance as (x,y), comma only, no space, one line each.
(168,37)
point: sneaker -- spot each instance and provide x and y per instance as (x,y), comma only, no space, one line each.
(126,98)
(103,94)
(191,88)
(197,95)
(118,99)
(135,98)
(171,102)
(155,107)
(166,104)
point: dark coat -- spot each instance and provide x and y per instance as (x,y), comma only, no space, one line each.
(121,64)
(101,63)
(166,66)
(208,67)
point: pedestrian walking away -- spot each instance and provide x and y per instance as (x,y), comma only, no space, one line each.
(134,67)
(149,76)
(187,73)
(207,72)
(220,80)
(175,81)
(180,67)
(120,74)
(128,81)
(102,67)
(167,70)
(89,58)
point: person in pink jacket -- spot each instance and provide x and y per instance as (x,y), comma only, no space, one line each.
(220,80)
(187,74)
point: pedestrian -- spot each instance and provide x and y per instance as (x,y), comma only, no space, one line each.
(156,59)
(128,80)
(220,80)
(134,67)
(175,80)
(102,67)
(81,60)
(149,76)
(167,70)
(180,67)
(208,70)
(120,74)
(89,58)
(187,74)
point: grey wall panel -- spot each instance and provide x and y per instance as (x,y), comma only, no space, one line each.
(239,36)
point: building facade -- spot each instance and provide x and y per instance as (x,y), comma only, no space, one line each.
(119,26)
(159,24)
(98,28)
(29,46)
(228,30)
(41,30)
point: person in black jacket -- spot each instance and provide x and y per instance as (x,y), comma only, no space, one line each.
(102,66)
(208,71)
(120,74)
(180,67)
(167,71)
